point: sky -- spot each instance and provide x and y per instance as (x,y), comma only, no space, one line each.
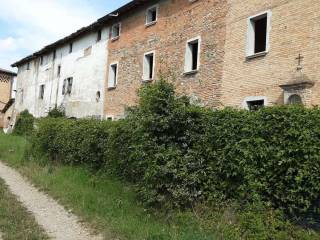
(28,25)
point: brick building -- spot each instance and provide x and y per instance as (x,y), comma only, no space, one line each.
(286,67)
(181,39)
(239,53)
(6,95)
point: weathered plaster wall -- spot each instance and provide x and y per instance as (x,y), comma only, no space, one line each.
(86,64)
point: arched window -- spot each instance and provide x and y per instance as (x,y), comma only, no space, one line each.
(295,99)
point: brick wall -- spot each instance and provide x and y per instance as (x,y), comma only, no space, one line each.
(294,30)
(5,89)
(178,21)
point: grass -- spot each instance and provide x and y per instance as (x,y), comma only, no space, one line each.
(15,221)
(111,206)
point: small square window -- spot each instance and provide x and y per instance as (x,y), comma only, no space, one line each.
(152,15)
(41,91)
(115,31)
(148,66)
(113,75)
(192,55)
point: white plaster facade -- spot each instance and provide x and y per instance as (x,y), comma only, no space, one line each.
(86,64)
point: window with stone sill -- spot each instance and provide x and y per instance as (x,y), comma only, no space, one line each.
(152,15)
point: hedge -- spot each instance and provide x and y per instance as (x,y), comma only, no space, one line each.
(179,154)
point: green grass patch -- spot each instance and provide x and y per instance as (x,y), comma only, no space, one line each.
(111,206)
(15,221)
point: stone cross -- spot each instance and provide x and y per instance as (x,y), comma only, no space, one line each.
(299,58)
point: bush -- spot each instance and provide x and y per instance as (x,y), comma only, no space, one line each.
(57,113)
(179,154)
(71,141)
(24,124)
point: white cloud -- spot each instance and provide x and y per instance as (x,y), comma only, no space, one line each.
(36,23)
(7,44)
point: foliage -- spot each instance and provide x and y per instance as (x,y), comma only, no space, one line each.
(179,154)
(57,112)
(24,124)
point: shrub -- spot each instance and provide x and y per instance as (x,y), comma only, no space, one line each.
(179,154)
(24,124)
(57,112)
(71,141)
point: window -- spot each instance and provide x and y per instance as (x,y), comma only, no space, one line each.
(41,60)
(192,55)
(295,99)
(41,91)
(99,34)
(98,96)
(22,96)
(54,54)
(258,34)
(67,86)
(148,66)
(59,71)
(255,105)
(113,75)
(70,47)
(115,31)
(152,15)
(28,66)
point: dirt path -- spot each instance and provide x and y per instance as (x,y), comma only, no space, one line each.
(55,220)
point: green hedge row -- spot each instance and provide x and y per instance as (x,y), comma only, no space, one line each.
(179,154)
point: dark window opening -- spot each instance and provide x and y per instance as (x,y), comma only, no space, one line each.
(149,66)
(255,105)
(260,35)
(152,15)
(54,54)
(194,50)
(59,71)
(41,92)
(113,76)
(70,47)
(99,34)
(41,60)
(115,31)
(67,86)
(98,96)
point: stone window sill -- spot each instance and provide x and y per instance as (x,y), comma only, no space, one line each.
(115,39)
(111,88)
(147,80)
(257,55)
(151,24)
(192,72)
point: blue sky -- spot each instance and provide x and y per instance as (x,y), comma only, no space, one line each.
(29,25)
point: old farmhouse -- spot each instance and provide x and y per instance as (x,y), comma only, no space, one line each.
(245,54)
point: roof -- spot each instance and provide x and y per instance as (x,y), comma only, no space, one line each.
(109,18)
(8,72)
